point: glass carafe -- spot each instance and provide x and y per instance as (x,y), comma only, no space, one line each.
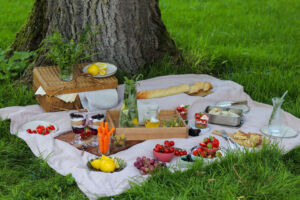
(275,121)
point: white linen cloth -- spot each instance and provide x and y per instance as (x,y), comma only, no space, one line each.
(99,99)
(65,158)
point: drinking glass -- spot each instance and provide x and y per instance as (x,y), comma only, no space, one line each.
(275,122)
(78,121)
(94,120)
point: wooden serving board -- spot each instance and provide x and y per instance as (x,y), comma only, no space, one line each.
(69,137)
(201,93)
(244,142)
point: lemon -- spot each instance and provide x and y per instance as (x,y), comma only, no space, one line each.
(93,69)
(135,121)
(107,165)
(96,163)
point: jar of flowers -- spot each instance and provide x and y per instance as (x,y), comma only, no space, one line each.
(65,53)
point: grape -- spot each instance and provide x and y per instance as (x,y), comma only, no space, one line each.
(152,161)
(147,165)
(138,159)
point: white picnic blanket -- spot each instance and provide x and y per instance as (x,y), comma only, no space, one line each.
(66,159)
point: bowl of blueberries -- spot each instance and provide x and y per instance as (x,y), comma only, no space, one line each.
(186,161)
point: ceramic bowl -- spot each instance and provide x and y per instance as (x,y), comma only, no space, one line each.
(183,163)
(163,157)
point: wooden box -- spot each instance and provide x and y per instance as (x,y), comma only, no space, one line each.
(48,78)
(143,133)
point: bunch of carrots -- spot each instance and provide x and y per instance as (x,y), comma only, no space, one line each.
(104,137)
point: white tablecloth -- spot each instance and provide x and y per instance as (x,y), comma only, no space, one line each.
(66,159)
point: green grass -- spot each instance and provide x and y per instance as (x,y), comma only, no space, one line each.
(255,43)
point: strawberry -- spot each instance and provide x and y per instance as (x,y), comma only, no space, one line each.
(203,153)
(206,140)
(29,130)
(211,138)
(46,132)
(216,143)
(39,131)
(209,145)
(34,131)
(195,153)
(52,127)
(202,144)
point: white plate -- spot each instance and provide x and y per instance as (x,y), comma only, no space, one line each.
(286,132)
(33,124)
(243,107)
(111,70)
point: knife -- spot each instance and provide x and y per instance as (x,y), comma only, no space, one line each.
(224,134)
(232,140)
(234,103)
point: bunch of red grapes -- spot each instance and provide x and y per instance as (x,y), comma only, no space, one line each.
(147,165)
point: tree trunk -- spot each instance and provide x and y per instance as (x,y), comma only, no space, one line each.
(132,33)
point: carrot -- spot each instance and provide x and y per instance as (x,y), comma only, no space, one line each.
(106,127)
(105,141)
(110,132)
(102,144)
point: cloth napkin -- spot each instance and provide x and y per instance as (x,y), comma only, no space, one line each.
(99,99)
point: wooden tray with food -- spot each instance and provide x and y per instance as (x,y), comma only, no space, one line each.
(246,139)
(69,137)
(142,133)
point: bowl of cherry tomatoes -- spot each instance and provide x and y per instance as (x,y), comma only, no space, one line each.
(166,152)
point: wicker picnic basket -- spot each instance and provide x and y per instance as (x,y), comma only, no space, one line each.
(48,78)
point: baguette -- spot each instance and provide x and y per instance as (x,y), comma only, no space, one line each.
(196,87)
(149,94)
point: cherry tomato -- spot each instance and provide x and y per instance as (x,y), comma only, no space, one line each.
(177,153)
(172,149)
(184,152)
(167,143)
(172,143)
(156,149)
(167,151)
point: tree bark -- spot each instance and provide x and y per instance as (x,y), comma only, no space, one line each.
(132,33)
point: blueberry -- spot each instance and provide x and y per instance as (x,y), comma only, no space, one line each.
(98,116)
(194,132)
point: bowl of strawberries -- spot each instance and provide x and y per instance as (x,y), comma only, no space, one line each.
(209,148)
(164,153)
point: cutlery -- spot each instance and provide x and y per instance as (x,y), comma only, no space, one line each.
(234,103)
(224,134)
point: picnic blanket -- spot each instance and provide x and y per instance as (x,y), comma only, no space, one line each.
(65,158)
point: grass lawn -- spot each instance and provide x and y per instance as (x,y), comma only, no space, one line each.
(253,42)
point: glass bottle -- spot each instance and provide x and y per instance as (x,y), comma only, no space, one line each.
(275,121)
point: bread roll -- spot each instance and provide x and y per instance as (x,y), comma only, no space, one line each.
(149,94)
(207,86)
(196,87)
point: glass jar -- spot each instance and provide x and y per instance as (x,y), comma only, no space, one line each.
(66,73)
(151,117)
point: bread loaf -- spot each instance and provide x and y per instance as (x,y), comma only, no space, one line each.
(149,94)
(196,87)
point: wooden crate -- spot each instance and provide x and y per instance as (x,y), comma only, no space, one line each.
(143,133)
(48,78)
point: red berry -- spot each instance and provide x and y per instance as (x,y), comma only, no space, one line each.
(52,127)
(29,130)
(172,143)
(216,143)
(202,153)
(206,140)
(195,153)
(34,131)
(202,144)
(39,131)
(167,143)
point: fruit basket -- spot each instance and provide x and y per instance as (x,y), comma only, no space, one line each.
(143,133)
